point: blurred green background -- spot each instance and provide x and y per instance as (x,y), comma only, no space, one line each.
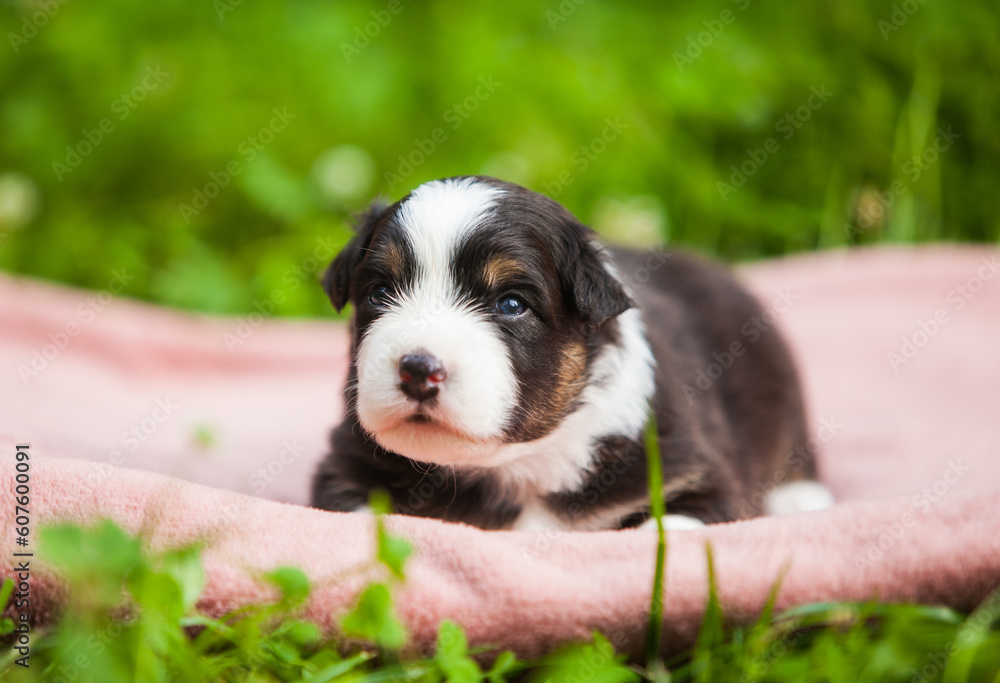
(216,150)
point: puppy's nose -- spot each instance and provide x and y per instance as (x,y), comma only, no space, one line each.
(421,375)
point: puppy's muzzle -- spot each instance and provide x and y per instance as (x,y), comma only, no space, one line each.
(421,375)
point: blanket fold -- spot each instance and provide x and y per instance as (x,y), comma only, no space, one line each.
(159,420)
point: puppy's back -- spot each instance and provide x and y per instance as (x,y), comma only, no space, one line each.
(723,365)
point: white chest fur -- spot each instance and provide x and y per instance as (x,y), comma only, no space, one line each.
(615,402)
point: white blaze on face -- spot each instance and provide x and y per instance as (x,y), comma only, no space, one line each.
(479,393)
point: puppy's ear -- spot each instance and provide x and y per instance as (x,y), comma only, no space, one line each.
(597,294)
(337,279)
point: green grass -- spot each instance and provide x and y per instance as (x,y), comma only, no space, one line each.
(260,244)
(657,507)
(829,183)
(131,617)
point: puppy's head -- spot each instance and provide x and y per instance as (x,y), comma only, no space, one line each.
(478,309)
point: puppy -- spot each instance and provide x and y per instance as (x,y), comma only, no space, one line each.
(503,365)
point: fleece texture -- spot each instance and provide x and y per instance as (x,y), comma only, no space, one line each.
(192,427)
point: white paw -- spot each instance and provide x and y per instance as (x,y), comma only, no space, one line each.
(674,523)
(536,517)
(799,496)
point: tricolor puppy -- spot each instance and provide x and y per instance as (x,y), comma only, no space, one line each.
(503,364)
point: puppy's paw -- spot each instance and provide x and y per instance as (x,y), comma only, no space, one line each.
(799,496)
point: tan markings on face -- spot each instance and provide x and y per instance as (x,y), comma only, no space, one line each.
(393,258)
(569,382)
(571,375)
(500,268)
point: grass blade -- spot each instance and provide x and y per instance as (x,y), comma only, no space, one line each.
(340,668)
(654,468)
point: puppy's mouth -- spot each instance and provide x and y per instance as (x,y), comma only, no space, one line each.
(422,422)
(428,437)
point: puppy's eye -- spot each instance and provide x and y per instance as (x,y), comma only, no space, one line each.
(379,296)
(511,305)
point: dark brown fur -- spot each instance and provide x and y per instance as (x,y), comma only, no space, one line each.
(719,444)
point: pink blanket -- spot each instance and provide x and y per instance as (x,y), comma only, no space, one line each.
(125,405)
